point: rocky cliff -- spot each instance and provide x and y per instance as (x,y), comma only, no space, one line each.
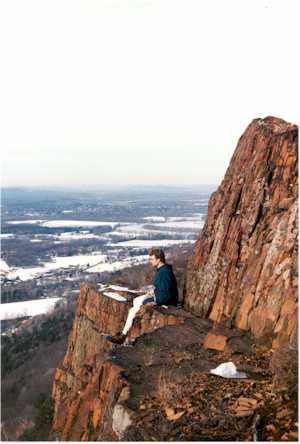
(88,385)
(244,267)
(241,286)
(157,386)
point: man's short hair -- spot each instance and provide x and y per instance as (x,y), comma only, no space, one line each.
(158,253)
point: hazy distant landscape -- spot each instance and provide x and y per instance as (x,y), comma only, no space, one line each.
(53,239)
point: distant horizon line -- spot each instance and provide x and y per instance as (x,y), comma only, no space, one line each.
(127,185)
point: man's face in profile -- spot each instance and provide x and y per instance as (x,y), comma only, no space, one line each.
(154,261)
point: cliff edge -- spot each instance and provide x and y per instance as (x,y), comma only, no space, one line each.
(88,384)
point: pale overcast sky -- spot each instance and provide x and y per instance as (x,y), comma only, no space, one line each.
(139,91)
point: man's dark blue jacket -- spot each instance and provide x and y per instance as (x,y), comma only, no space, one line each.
(165,286)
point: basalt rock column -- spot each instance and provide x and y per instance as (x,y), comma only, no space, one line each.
(244,267)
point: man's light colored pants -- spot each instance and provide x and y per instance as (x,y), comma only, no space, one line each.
(137,303)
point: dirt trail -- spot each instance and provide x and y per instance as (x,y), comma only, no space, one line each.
(174,397)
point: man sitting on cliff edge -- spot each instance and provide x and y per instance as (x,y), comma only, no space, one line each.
(165,292)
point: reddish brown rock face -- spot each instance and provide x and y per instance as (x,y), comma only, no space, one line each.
(88,386)
(215,342)
(244,266)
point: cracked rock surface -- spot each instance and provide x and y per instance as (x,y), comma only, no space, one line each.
(244,267)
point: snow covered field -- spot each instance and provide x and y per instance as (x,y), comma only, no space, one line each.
(92,263)
(31,221)
(65,223)
(182,224)
(193,222)
(151,243)
(159,225)
(155,218)
(134,230)
(96,246)
(25,273)
(81,235)
(34,307)
(137,235)
(119,265)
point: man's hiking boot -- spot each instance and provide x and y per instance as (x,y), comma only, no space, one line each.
(118,339)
